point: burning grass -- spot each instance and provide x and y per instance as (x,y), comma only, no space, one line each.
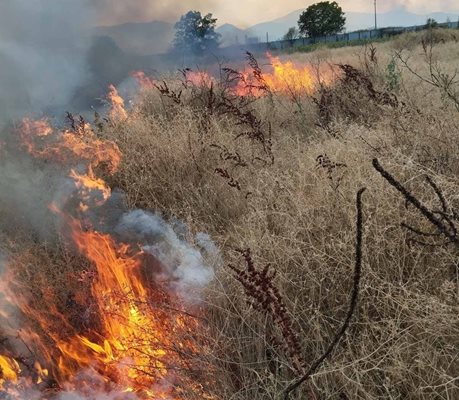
(122,330)
(276,76)
(276,173)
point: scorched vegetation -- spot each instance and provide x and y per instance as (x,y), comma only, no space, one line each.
(321,291)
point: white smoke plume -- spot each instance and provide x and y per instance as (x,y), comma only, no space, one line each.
(96,391)
(187,268)
(98,396)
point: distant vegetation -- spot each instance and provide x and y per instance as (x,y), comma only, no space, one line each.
(431,30)
(195,33)
(321,19)
(431,23)
(292,34)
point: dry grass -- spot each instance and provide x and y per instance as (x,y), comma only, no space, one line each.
(411,40)
(298,216)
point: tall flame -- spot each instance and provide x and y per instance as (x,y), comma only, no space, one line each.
(118,110)
(138,343)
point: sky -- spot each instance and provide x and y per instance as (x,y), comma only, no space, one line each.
(243,13)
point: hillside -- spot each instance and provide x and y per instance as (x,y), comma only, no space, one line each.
(156,37)
(355,21)
(140,38)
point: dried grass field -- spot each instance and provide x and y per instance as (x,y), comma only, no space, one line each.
(273,179)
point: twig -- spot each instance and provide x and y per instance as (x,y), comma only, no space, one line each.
(439,193)
(418,231)
(352,304)
(429,215)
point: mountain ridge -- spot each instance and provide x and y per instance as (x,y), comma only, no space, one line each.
(155,37)
(399,16)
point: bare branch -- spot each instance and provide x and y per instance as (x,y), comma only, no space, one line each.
(429,215)
(352,305)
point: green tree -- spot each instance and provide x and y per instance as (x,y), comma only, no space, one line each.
(431,23)
(321,19)
(292,34)
(196,33)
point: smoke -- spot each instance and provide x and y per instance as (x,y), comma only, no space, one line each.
(183,265)
(43,44)
(8,313)
(97,390)
(186,260)
(43,49)
(46,50)
(416,6)
(98,396)
(27,192)
(112,12)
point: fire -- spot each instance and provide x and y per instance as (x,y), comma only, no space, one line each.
(144,81)
(130,333)
(198,78)
(286,78)
(86,184)
(42,141)
(137,343)
(135,348)
(118,111)
(9,370)
(31,129)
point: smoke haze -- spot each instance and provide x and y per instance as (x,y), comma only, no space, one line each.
(111,12)
(42,52)
(183,265)
(44,44)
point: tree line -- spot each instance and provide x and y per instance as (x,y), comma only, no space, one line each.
(195,33)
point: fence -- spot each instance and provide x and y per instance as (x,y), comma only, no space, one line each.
(341,37)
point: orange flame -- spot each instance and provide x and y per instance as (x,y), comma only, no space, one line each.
(286,78)
(31,129)
(199,78)
(136,345)
(42,141)
(121,295)
(9,370)
(118,111)
(134,350)
(144,81)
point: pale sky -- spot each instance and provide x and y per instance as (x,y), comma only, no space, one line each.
(243,13)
